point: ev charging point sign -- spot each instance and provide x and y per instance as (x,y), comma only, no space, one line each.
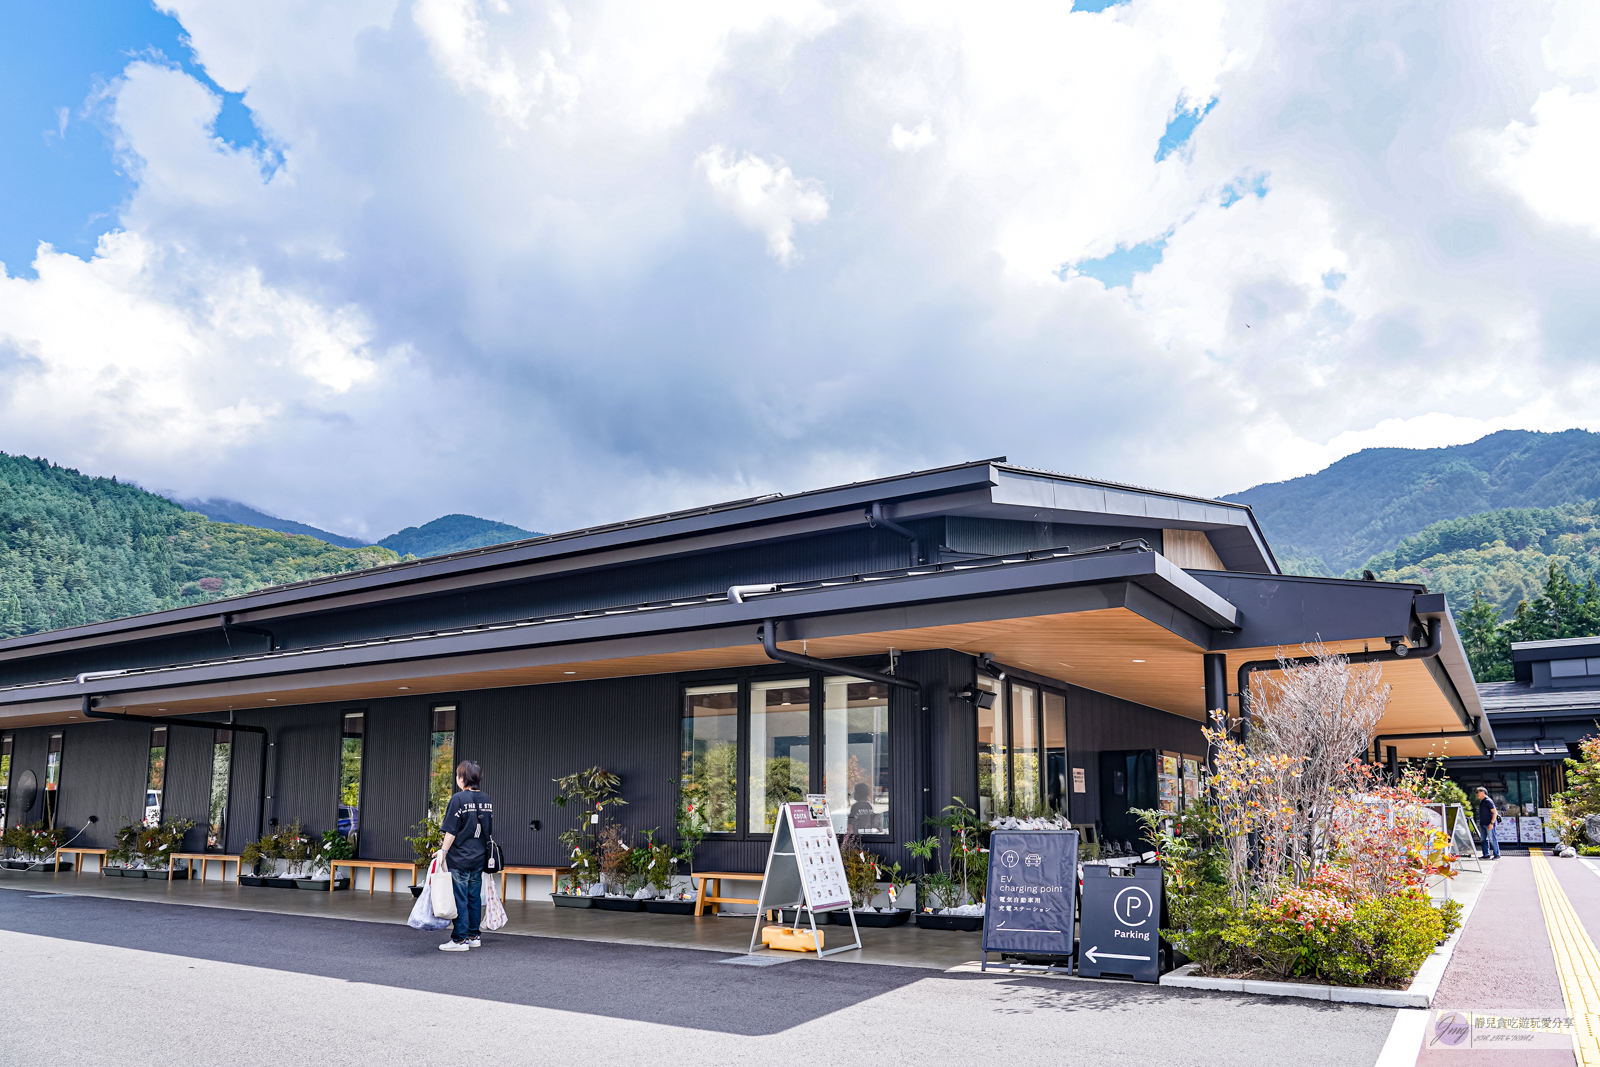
(1032,895)
(1119,930)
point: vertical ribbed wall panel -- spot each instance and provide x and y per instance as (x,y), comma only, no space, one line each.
(303,771)
(244,791)
(526,737)
(103,772)
(28,749)
(394,775)
(188,792)
(1099,723)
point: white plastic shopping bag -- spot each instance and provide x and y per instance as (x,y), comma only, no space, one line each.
(494,912)
(422,916)
(442,889)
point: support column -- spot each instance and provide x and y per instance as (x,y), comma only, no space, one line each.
(1216,676)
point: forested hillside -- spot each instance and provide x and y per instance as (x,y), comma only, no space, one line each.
(453,533)
(1365,504)
(75,549)
(1504,555)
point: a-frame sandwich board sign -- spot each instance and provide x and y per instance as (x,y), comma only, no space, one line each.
(805,871)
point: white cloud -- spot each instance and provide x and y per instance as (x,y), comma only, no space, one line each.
(489,250)
(912,140)
(766,197)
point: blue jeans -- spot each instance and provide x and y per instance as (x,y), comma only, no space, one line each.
(1491,843)
(468,886)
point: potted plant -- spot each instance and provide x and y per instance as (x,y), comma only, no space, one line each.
(619,870)
(592,792)
(862,872)
(121,857)
(154,846)
(952,897)
(34,846)
(428,840)
(660,863)
(267,857)
(333,846)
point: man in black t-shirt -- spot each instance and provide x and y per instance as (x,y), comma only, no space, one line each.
(467,824)
(1487,817)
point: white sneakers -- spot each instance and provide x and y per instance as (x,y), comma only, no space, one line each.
(461,946)
(476,942)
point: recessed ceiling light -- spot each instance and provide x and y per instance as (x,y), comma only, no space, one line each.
(272,700)
(405,687)
(569,672)
(1138,661)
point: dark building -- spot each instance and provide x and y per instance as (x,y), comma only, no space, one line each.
(1551,704)
(843,641)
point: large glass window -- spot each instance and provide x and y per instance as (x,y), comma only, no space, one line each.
(1055,752)
(711,755)
(5,776)
(855,754)
(155,776)
(52,781)
(1025,751)
(350,743)
(993,797)
(441,760)
(780,749)
(221,774)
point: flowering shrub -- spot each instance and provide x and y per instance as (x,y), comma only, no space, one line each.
(1300,862)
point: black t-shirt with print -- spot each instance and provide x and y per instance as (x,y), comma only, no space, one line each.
(470,816)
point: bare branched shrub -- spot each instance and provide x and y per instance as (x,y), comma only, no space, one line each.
(1275,797)
(1324,713)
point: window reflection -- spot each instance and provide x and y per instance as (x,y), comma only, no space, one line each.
(710,756)
(780,749)
(441,760)
(992,792)
(221,771)
(855,749)
(1025,752)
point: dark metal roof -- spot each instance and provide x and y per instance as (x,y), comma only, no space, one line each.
(733,517)
(946,582)
(1507,697)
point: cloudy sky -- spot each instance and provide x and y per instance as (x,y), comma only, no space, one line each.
(362,264)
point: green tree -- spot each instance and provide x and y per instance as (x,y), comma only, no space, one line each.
(1487,642)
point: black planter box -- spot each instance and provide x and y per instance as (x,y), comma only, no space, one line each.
(966,923)
(320,885)
(568,900)
(888,917)
(670,907)
(252,880)
(280,883)
(111,872)
(786,916)
(177,876)
(619,904)
(128,872)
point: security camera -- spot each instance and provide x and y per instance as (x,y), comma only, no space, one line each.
(1398,646)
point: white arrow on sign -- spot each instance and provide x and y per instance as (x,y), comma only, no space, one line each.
(1093,958)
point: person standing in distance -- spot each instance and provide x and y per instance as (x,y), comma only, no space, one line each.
(468,823)
(1487,817)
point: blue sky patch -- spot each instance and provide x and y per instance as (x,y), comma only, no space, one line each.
(1181,128)
(1332,280)
(1095,5)
(59,181)
(1119,268)
(1236,190)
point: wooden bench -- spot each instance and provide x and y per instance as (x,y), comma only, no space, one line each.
(77,868)
(373,867)
(715,898)
(204,859)
(554,874)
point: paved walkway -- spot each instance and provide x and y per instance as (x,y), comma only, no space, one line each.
(96,973)
(1529,946)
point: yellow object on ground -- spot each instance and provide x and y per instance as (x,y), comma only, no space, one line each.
(792,940)
(1577,962)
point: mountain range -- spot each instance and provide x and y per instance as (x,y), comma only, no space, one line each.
(448,533)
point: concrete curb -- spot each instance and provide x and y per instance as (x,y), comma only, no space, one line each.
(1419,994)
